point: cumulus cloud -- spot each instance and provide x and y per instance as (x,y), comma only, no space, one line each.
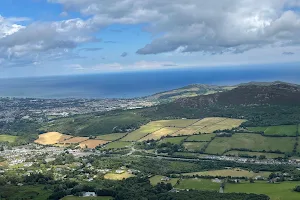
(198,25)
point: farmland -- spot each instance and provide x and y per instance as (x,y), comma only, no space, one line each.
(116,177)
(75,140)
(191,130)
(278,191)
(52,138)
(230,172)
(117,145)
(111,137)
(140,133)
(154,180)
(198,184)
(173,140)
(92,144)
(194,146)
(257,154)
(283,130)
(179,123)
(254,142)
(160,133)
(200,138)
(7,138)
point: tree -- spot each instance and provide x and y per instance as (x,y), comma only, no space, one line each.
(251,180)
(297,188)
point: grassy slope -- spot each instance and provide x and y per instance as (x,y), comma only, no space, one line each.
(173,140)
(200,138)
(154,180)
(111,137)
(7,138)
(253,142)
(198,184)
(16,192)
(194,146)
(230,172)
(140,133)
(116,145)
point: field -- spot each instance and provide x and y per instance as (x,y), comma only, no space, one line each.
(198,184)
(288,130)
(160,133)
(111,137)
(86,198)
(200,138)
(278,191)
(179,123)
(257,154)
(191,130)
(117,177)
(254,142)
(92,144)
(140,133)
(117,145)
(230,172)
(7,138)
(211,124)
(173,140)
(75,140)
(194,146)
(36,192)
(51,138)
(154,180)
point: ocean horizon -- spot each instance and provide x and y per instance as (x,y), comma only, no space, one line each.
(140,84)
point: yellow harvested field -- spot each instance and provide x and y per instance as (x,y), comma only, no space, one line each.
(52,138)
(209,121)
(230,172)
(91,144)
(118,177)
(140,133)
(179,123)
(75,140)
(160,133)
(191,130)
(232,122)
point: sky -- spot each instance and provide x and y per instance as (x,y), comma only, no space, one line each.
(59,37)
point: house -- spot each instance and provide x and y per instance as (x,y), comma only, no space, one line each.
(165,178)
(89,194)
(119,171)
(216,180)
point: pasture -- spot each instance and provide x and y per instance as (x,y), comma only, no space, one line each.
(194,146)
(277,191)
(254,142)
(201,138)
(51,138)
(178,123)
(288,130)
(154,180)
(8,138)
(86,198)
(191,130)
(140,133)
(117,177)
(173,140)
(230,172)
(257,154)
(111,137)
(117,145)
(92,144)
(160,133)
(36,192)
(75,140)
(198,184)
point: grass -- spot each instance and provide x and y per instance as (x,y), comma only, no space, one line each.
(173,140)
(52,138)
(200,138)
(160,133)
(8,138)
(154,180)
(209,121)
(194,146)
(92,144)
(140,133)
(111,137)
(117,145)
(278,191)
(86,198)
(29,192)
(257,154)
(118,177)
(179,123)
(188,131)
(198,184)
(288,130)
(230,172)
(254,142)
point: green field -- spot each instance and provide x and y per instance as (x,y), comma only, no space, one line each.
(288,130)
(117,145)
(140,133)
(86,198)
(257,154)
(198,184)
(111,137)
(194,146)
(154,180)
(254,142)
(173,140)
(277,191)
(230,172)
(201,138)
(19,192)
(179,123)
(7,138)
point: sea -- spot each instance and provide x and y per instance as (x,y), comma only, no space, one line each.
(143,83)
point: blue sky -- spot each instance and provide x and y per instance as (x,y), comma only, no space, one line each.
(59,37)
